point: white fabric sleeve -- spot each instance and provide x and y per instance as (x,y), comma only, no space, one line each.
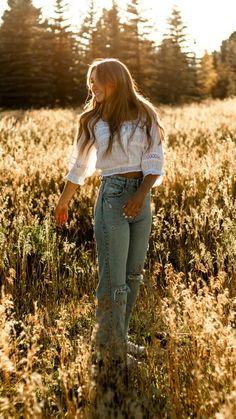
(82,165)
(153,158)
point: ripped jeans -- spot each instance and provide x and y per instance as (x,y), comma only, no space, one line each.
(121,245)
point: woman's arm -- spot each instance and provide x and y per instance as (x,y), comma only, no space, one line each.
(61,211)
(135,204)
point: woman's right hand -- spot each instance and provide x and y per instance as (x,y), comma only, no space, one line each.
(61,211)
(61,214)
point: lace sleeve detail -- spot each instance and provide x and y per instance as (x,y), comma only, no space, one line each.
(153,158)
(82,165)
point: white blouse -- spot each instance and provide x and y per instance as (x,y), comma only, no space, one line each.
(132,157)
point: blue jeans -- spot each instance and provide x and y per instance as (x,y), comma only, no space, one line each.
(121,245)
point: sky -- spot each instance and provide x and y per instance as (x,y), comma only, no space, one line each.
(208,22)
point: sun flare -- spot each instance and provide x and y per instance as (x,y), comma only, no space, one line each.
(208,22)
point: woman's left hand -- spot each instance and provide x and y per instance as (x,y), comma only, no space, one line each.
(134,205)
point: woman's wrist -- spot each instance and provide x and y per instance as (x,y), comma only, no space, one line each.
(67,194)
(147,183)
(63,202)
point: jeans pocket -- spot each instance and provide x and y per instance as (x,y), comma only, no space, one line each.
(112,189)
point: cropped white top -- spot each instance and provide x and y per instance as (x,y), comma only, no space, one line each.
(132,157)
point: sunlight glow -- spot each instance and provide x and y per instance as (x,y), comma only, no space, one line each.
(208,22)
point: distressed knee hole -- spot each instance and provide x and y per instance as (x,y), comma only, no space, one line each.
(120,294)
(136,277)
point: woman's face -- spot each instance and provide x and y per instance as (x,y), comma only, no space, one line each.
(101,92)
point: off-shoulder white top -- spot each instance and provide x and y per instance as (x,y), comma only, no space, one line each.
(133,157)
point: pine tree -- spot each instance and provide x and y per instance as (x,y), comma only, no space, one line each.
(225,64)
(131,48)
(177,29)
(84,50)
(63,57)
(108,33)
(137,49)
(167,77)
(176,67)
(228,51)
(86,35)
(25,57)
(207,76)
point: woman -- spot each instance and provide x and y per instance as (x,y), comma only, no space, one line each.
(119,134)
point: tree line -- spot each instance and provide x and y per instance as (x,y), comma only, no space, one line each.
(43,62)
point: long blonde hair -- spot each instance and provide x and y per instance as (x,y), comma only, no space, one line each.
(124,100)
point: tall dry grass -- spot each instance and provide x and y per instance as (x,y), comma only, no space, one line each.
(186,310)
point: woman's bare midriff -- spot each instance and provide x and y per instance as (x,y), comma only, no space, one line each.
(134,175)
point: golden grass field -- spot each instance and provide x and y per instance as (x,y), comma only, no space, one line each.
(185,313)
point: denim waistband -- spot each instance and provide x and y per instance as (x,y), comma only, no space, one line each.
(123,180)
